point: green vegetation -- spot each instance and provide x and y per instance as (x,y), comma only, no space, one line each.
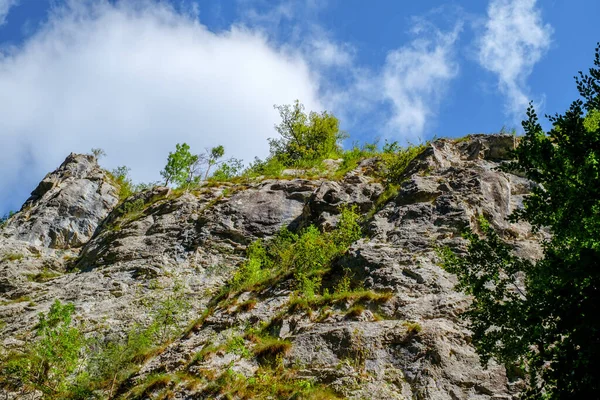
(306,256)
(44,276)
(4,219)
(120,177)
(47,364)
(98,153)
(181,166)
(395,160)
(305,141)
(62,363)
(540,318)
(12,257)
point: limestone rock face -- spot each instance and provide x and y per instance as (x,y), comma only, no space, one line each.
(67,206)
(72,241)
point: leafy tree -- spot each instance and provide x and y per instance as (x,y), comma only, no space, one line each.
(312,136)
(212,157)
(541,318)
(228,169)
(180,165)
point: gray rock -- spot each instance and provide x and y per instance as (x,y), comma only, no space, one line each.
(66,207)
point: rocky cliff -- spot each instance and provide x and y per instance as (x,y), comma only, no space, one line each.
(399,337)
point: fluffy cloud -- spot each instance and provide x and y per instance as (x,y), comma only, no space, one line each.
(515,39)
(134,79)
(5,6)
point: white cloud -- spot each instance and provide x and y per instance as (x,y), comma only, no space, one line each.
(326,53)
(135,79)
(5,6)
(415,77)
(515,39)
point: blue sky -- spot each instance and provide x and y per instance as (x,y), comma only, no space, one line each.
(134,77)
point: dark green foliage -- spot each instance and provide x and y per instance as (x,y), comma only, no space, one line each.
(546,326)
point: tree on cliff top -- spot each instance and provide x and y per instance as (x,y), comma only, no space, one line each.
(312,136)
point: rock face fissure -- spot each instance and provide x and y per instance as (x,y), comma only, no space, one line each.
(413,345)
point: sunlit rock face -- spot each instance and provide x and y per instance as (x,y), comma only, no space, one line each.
(66,207)
(112,261)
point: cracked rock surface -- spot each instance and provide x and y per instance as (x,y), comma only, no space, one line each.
(412,345)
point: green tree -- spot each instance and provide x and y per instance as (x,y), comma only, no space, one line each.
(312,136)
(212,158)
(541,318)
(180,165)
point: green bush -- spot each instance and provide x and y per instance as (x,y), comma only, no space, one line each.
(307,255)
(49,362)
(304,141)
(395,160)
(312,136)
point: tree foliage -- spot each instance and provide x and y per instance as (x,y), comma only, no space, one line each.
(547,323)
(180,165)
(305,136)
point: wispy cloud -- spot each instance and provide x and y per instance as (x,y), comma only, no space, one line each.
(416,76)
(515,39)
(5,6)
(135,78)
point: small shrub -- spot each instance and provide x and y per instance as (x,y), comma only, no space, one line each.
(4,219)
(412,328)
(394,163)
(268,349)
(355,311)
(237,346)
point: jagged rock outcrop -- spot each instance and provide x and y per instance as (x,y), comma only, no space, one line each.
(67,206)
(410,344)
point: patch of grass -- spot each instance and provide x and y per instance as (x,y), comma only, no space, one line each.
(20,299)
(395,162)
(247,305)
(359,296)
(391,191)
(44,276)
(237,345)
(412,328)
(151,384)
(268,349)
(12,257)
(355,311)
(267,383)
